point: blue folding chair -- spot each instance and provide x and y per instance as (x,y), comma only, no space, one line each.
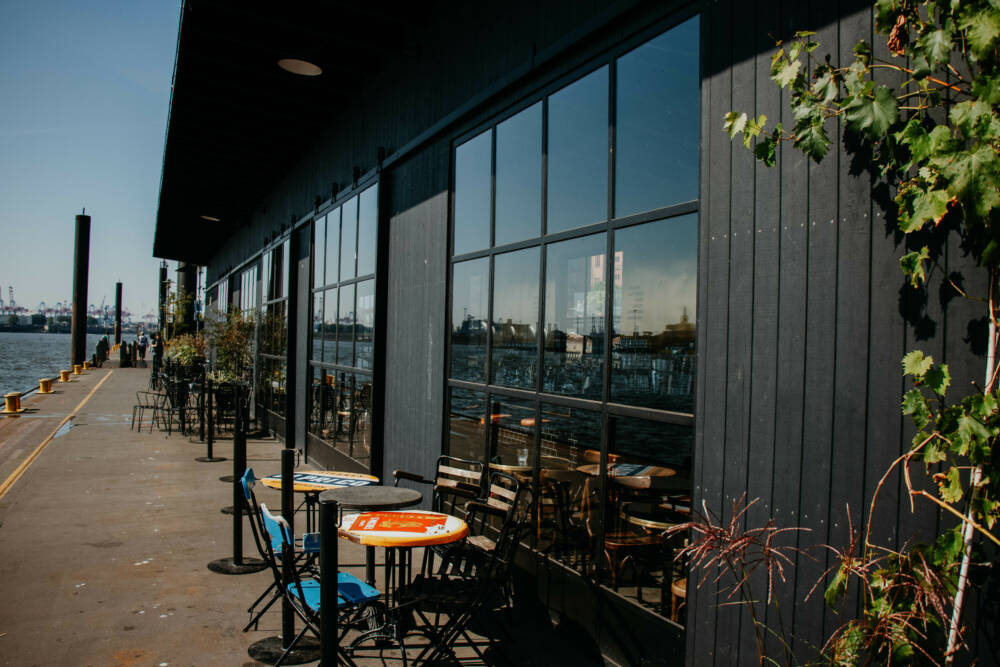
(356,601)
(305,557)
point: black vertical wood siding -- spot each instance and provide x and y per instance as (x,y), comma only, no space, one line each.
(804,319)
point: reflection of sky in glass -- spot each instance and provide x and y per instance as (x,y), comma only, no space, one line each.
(655,274)
(469,319)
(519,176)
(345,319)
(472,194)
(656,137)
(319,244)
(367,229)
(366,323)
(348,238)
(332,246)
(577,187)
(515,287)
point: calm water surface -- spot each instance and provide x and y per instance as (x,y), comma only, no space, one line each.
(26,357)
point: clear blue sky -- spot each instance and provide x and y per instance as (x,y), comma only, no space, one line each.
(84,94)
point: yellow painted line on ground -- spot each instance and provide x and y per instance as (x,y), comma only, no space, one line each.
(16,475)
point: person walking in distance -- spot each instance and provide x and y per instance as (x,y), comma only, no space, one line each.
(142,344)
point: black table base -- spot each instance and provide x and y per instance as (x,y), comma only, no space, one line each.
(269,649)
(230,566)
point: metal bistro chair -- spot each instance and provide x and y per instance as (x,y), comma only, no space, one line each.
(358,601)
(456,482)
(147,400)
(305,557)
(178,404)
(471,580)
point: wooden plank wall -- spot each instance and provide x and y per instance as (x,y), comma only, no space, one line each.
(803,319)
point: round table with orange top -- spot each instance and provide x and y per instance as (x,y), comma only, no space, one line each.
(398,531)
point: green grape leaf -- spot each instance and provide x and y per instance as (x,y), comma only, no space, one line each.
(765,150)
(927,205)
(916,138)
(948,546)
(975,119)
(987,88)
(912,264)
(754,127)
(935,46)
(825,88)
(915,363)
(812,140)
(734,123)
(837,588)
(950,486)
(937,379)
(863,50)
(915,404)
(981,30)
(933,452)
(872,115)
(784,71)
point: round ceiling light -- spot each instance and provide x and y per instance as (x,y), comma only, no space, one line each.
(302,67)
(210,218)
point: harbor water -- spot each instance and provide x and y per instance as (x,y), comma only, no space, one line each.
(26,357)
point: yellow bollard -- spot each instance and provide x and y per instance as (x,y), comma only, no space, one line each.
(77,369)
(45,386)
(12,402)
(86,365)
(64,376)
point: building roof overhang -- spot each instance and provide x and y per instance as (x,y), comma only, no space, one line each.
(237,121)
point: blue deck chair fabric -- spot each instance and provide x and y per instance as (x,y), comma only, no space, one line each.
(355,598)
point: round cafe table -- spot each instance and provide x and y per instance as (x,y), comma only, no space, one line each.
(312,482)
(398,532)
(628,470)
(373,498)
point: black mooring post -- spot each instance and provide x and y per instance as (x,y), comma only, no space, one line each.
(81,268)
(287,561)
(209,456)
(239,467)
(237,564)
(329,565)
(201,407)
(118,313)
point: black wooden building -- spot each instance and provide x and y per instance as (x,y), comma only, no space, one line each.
(515,232)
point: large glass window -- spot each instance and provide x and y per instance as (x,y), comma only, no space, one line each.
(272,332)
(578,153)
(583,380)
(469,318)
(343,355)
(656,129)
(515,318)
(473,166)
(519,176)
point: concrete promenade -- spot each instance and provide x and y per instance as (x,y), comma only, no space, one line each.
(105,538)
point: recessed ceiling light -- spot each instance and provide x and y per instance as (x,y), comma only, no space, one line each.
(210,218)
(303,67)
